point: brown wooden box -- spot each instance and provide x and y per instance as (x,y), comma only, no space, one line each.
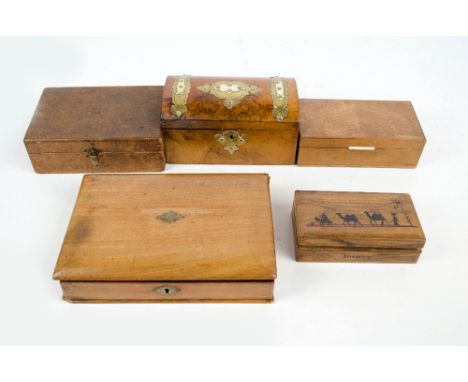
(97,129)
(356,227)
(230,120)
(359,134)
(169,238)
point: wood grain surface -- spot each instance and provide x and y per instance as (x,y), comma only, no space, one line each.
(356,220)
(191,138)
(122,124)
(237,291)
(170,227)
(329,128)
(356,255)
(273,147)
(205,107)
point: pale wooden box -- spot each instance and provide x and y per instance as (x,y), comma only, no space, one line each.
(359,134)
(170,238)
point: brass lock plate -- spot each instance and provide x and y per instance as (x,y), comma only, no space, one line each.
(231,140)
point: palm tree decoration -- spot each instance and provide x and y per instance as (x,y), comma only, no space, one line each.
(397,206)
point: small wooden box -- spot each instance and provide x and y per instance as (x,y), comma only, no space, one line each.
(359,134)
(170,238)
(356,227)
(230,120)
(97,129)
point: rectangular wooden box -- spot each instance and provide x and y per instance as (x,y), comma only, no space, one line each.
(356,227)
(359,134)
(230,120)
(170,238)
(97,129)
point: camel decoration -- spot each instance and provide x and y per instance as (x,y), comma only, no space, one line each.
(348,219)
(376,217)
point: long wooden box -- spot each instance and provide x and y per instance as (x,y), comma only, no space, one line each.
(359,134)
(356,227)
(230,120)
(169,238)
(97,129)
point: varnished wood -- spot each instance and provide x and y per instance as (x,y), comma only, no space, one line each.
(237,291)
(117,161)
(329,127)
(122,123)
(199,146)
(203,107)
(357,255)
(191,138)
(119,232)
(356,227)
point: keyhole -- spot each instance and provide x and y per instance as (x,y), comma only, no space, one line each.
(166,290)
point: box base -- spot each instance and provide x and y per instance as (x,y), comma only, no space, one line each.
(167,292)
(357,255)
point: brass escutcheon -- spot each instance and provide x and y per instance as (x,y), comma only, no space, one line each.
(170,216)
(231,140)
(167,290)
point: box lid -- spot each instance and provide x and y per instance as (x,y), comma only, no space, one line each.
(356,219)
(124,118)
(247,102)
(170,228)
(344,123)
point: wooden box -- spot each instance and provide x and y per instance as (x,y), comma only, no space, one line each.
(230,120)
(169,238)
(356,227)
(97,129)
(359,134)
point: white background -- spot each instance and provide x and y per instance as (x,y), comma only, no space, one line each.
(426,303)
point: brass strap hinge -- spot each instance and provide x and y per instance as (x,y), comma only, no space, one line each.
(279,95)
(180,93)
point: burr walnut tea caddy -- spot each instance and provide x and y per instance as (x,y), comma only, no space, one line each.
(230,120)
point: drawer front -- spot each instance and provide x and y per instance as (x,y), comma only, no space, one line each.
(233,291)
(230,146)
